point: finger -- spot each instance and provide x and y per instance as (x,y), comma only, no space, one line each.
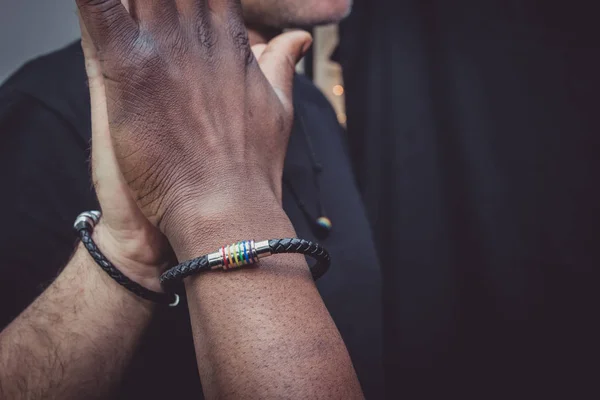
(154,13)
(228,21)
(120,210)
(278,61)
(106,21)
(194,8)
(258,50)
(226,7)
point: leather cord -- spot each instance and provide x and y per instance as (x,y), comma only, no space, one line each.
(173,278)
(308,248)
(85,234)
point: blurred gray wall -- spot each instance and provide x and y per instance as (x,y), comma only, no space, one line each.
(29,28)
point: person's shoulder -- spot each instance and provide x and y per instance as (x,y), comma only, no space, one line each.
(43,171)
(49,71)
(55,82)
(44,130)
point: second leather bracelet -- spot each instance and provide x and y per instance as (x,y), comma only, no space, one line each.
(84,225)
(247,253)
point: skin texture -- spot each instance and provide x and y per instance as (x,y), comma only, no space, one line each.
(76,340)
(280,14)
(259,333)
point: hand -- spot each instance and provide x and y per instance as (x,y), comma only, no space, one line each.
(197,123)
(124,234)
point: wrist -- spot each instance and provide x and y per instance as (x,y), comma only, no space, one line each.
(103,288)
(129,256)
(205,229)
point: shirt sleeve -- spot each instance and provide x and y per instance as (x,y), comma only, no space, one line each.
(44,185)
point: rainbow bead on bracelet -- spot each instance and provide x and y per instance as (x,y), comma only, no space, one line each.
(238,255)
(245,253)
(235,256)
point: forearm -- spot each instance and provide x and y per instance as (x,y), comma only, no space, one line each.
(263,332)
(75,340)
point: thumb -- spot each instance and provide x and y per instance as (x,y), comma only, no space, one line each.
(278,61)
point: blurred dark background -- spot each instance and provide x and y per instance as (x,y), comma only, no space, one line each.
(475,135)
(474,130)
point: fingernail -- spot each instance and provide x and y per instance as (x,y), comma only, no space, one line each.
(307,46)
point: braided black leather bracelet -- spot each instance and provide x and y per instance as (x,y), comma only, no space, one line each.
(247,253)
(84,225)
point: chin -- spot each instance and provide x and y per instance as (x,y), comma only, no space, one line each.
(295,13)
(327,11)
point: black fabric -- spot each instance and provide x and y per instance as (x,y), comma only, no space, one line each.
(473,127)
(45,183)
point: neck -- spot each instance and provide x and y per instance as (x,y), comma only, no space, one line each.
(261,35)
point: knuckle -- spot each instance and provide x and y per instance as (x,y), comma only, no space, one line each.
(117,51)
(108,10)
(179,44)
(206,36)
(139,60)
(241,42)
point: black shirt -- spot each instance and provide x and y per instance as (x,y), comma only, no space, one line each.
(45,180)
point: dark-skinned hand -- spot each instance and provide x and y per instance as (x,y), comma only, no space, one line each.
(197,124)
